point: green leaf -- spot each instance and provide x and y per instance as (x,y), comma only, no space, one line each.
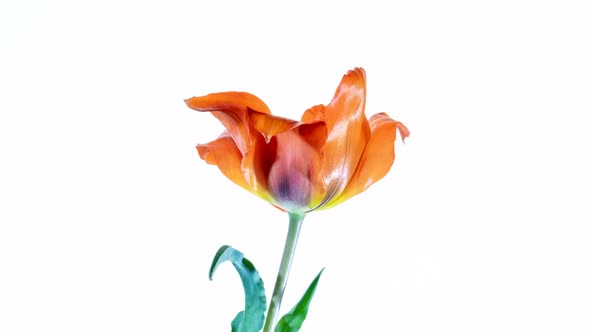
(235,324)
(293,320)
(252,318)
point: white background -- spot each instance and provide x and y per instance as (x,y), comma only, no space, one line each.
(109,219)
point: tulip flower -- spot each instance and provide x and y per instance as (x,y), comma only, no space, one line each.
(332,154)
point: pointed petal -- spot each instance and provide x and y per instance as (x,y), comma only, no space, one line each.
(348,131)
(224,153)
(249,172)
(231,108)
(377,158)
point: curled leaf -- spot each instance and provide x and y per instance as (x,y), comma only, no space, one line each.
(251,318)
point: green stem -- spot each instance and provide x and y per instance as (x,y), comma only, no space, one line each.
(295,221)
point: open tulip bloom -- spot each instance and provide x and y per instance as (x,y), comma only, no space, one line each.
(332,154)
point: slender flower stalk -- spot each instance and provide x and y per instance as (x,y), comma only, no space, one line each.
(295,221)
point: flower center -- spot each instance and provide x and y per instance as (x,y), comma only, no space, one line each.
(289,187)
(289,177)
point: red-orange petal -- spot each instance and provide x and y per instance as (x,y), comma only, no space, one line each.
(231,108)
(377,158)
(314,133)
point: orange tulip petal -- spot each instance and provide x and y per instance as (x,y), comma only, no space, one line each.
(348,131)
(315,134)
(269,125)
(377,158)
(224,153)
(256,165)
(231,108)
(316,113)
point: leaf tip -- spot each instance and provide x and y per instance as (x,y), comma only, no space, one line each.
(216,259)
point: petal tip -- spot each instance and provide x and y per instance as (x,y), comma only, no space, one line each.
(203,151)
(357,73)
(190,103)
(403,131)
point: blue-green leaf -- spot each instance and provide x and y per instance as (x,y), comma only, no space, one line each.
(237,322)
(252,318)
(293,320)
